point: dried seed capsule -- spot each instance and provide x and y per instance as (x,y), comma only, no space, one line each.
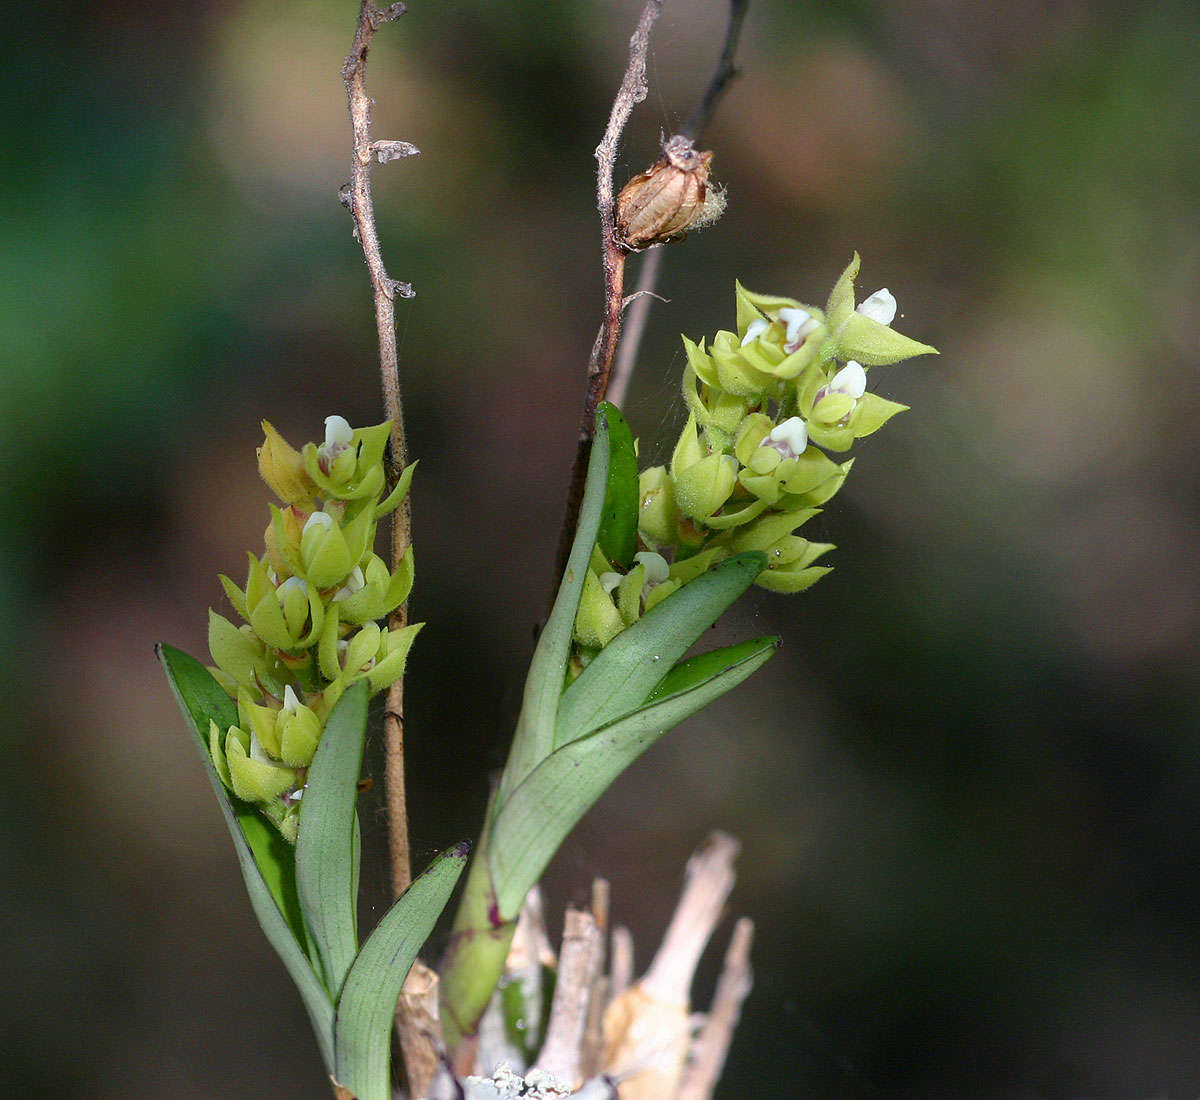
(669,199)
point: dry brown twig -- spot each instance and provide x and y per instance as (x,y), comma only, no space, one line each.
(632,91)
(356,196)
(648,1027)
(579,962)
(651,266)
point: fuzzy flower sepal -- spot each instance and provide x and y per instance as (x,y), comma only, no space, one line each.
(862,333)
(789,557)
(281,466)
(703,480)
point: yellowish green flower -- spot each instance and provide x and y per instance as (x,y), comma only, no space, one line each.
(310,605)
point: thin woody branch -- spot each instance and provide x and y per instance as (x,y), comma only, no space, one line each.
(722,75)
(357,197)
(632,92)
(651,265)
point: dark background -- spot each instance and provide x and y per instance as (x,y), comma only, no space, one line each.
(967,788)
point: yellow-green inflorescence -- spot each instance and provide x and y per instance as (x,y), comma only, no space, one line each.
(309,606)
(765,403)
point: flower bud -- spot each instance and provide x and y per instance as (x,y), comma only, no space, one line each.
(658,517)
(371,592)
(237,653)
(669,199)
(245,768)
(393,656)
(597,622)
(718,413)
(704,487)
(282,468)
(788,569)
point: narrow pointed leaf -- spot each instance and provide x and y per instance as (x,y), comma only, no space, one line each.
(199,696)
(617,536)
(628,668)
(534,737)
(205,698)
(367,1005)
(326,848)
(697,670)
(538,815)
(276,860)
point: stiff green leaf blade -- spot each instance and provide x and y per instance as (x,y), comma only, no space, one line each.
(196,691)
(367,1005)
(617,536)
(704,666)
(276,860)
(326,846)
(534,737)
(628,668)
(538,815)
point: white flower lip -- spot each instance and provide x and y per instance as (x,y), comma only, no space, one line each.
(795,320)
(789,438)
(338,431)
(755,329)
(657,569)
(317,519)
(850,380)
(356,582)
(609,581)
(293,582)
(290,703)
(881,307)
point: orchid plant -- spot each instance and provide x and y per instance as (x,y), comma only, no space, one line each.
(280,714)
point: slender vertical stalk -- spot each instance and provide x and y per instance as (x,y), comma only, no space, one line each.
(632,91)
(357,197)
(639,301)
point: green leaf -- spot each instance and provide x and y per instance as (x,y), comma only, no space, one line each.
(326,864)
(199,696)
(274,856)
(367,1006)
(697,670)
(627,669)
(534,737)
(539,814)
(276,860)
(617,536)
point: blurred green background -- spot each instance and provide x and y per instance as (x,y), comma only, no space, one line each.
(967,788)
